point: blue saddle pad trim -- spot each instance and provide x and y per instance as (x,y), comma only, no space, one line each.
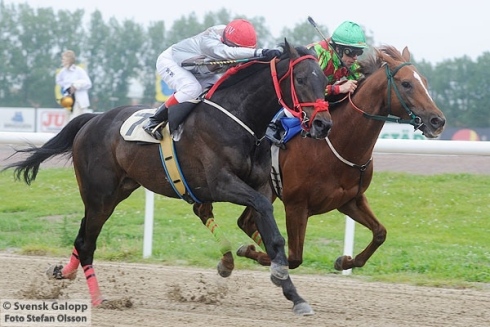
(292,126)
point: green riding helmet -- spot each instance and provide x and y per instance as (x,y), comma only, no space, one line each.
(349,34)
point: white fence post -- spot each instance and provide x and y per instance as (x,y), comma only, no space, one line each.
(148,234)
(350,226)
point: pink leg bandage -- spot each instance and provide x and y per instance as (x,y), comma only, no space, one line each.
(93,285)
(72,266)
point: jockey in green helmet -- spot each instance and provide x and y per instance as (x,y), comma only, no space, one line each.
(337,57)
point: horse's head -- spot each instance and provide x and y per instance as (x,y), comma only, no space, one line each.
(301,90)
(407,92)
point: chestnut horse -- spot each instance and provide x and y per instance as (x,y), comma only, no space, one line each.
(222,153)
(320,176)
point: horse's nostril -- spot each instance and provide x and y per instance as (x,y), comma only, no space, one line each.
(322,125)
(321,128)
(438,122)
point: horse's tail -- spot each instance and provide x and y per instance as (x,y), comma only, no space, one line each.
(61,144)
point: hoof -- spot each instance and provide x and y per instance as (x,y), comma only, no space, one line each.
(223,271)
(303,309)
(242,251)
(55,272)
(339,263)
(100,302)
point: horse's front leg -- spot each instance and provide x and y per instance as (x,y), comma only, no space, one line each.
(275,245)
(205,212)
(359,210)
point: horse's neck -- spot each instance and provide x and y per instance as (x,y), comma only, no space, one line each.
(353,135)
(254,103)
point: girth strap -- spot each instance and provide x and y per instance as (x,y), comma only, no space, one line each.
(172,169)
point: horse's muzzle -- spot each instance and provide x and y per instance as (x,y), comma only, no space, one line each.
(320,128)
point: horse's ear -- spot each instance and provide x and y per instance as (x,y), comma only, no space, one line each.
(290,50)
(378,53)
(406,54)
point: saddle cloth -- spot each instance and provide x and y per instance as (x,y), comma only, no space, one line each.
(132,128)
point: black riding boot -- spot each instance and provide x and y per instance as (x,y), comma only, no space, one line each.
(275,131)
(157,122)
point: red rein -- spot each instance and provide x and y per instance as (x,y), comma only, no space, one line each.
(319,105)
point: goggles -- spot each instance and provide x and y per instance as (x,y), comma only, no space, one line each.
(353,52)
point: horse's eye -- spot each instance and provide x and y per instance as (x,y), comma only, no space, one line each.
(300,81)
(407,85)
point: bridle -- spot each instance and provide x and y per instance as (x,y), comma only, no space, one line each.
(414,120)
(297,111)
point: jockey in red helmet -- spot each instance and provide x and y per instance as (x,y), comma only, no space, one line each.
(237,40)
(240,33)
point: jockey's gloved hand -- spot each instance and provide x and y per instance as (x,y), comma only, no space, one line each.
(269,54)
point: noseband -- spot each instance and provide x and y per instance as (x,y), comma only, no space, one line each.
(297,111)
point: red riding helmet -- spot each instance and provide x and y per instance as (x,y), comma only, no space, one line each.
(240,33)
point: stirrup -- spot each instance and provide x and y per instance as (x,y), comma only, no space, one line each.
(155,131)
(277,142)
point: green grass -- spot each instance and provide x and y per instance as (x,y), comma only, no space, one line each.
(438,228)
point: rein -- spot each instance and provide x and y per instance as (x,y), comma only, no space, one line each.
(414,120)
(297,111)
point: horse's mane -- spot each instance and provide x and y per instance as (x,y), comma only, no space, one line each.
(373,60)
(370,63)
(249,70)
(304,51)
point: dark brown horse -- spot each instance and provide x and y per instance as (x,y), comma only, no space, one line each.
(321,176)
(222,153)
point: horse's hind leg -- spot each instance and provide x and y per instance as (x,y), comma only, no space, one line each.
(246,222)
(100,197)
(69,271)
(83,253)
(359,210)
(205,212)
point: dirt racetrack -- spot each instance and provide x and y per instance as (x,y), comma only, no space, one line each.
(155,295)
